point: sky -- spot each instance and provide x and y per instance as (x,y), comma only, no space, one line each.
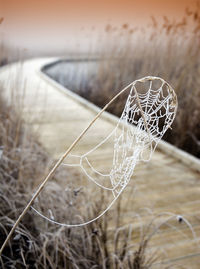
(34,23)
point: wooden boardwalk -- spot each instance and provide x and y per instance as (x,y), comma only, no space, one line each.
(165,184)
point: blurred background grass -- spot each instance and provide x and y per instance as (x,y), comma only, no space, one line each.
(167,49)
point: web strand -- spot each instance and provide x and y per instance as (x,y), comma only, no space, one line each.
(149,111)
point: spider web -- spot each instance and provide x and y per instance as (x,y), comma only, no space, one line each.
(149,111)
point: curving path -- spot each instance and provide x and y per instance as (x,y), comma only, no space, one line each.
(169,183)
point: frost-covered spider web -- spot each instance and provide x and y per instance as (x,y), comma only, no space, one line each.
(149,111)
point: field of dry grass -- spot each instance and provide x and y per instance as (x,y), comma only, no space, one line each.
(23,161)
(169,49)
(119,239)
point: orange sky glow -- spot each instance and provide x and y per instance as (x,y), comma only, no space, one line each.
(92,11)
(27,20)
